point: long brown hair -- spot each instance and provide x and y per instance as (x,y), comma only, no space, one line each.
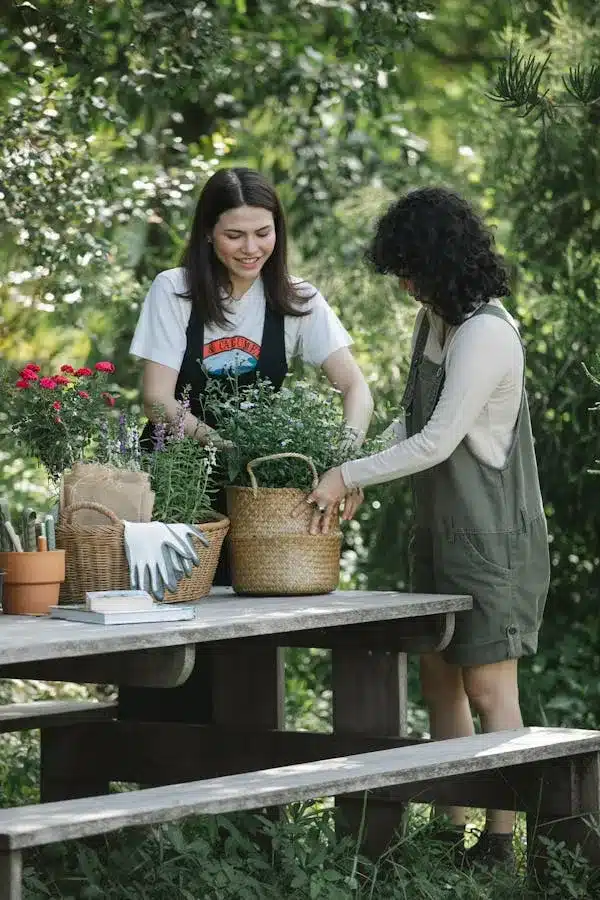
(206,276)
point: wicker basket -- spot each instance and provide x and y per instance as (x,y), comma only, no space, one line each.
(272,551)
(96,561)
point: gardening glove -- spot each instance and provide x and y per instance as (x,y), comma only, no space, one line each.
(184,534)
(181,566)
(181,562)
(149,547)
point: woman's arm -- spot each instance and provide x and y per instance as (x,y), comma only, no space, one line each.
(159,400)
(484,351)
(344,374)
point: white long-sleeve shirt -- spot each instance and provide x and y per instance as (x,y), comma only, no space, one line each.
(479,402)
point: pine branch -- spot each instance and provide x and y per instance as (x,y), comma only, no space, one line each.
(518,83)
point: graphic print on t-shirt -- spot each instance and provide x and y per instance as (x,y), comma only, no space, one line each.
(231,356)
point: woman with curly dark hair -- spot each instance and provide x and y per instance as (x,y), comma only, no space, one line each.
(465,440)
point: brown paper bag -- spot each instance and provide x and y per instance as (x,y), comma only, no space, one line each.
(127,494)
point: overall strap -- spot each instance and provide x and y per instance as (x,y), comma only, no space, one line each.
(415,362)
(192,370)
(272,362)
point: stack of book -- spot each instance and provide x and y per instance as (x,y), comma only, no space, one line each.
(121,608)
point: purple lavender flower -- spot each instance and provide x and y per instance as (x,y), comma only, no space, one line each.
(184,408)
(158,437)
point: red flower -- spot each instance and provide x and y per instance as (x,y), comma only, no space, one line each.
(108,398)
(61,380)
(84,394)
(56,405)
(48,383)
(68,369)
(33,367)
(58,420)
(22,384)
(28,375)
(84,371)
(105,366)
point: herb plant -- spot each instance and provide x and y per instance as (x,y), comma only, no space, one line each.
(180,474)
(261,421)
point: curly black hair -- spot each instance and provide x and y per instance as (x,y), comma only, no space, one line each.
(433,238)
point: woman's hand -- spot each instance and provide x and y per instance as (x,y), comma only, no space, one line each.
(204,434)
(327,496)
(352,501)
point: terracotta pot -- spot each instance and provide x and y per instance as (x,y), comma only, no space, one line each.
(31,581)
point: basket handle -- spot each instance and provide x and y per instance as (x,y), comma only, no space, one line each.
(90,504)
(260,459)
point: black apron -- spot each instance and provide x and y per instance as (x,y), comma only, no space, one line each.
(272,364)
(192,701)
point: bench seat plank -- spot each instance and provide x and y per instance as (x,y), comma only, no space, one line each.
(46,713)
(36,825)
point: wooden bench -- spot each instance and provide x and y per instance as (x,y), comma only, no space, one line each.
(50,713)
(552,774)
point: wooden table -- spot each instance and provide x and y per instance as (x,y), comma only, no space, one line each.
(204,697)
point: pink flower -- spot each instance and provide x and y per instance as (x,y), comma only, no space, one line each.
(33,367)
(61,380)
(105,366)
(84,394)
(58,420)
(84,371)
(68,369)
(22,384)
(48,384)
(28,375)
(108,398)
(56,405)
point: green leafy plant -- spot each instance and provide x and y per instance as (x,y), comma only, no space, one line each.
(180,472)
(261,421)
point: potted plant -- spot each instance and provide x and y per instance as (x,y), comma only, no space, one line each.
(181,476)
(57,417)
(283,440)
(32,576)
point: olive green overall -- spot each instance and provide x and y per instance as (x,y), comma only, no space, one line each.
(479,530)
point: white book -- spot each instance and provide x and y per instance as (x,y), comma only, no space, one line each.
(159,613)
(118,601)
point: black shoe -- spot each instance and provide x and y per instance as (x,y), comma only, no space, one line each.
(491,851)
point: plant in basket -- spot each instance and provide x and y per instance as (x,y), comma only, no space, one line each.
(261,421)
(57,417)
(282,441)
(181,476)
(180,472)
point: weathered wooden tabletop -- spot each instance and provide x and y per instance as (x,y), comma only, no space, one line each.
(221,616)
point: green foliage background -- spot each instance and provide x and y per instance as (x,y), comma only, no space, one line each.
(114,113)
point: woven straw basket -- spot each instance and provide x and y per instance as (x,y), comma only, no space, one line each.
(271,551)
(96,561)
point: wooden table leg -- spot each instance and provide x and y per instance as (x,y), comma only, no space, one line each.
(190,702)
(567,808)
(248,686)
(11,875)
(370,697)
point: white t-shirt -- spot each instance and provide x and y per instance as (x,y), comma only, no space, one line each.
(160,334)
(479,402)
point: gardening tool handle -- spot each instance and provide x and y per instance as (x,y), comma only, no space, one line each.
(89,504)
(260,459)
